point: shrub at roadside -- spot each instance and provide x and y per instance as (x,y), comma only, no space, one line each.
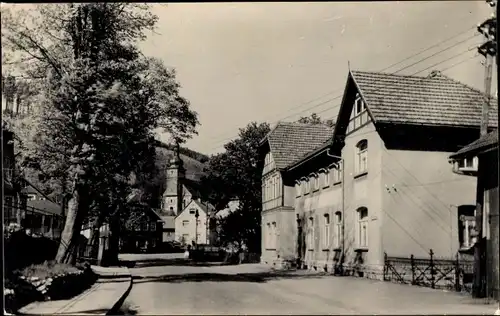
(47,281)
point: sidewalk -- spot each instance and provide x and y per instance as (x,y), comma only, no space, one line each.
(104,296)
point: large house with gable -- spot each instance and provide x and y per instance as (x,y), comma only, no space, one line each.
(382,183)
(284,144)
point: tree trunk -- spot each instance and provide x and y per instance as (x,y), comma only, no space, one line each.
(114,241)
(72,227)
(95,235)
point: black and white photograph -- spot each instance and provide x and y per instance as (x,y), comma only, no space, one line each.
(250,158)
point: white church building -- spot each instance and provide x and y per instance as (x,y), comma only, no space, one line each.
(183,207)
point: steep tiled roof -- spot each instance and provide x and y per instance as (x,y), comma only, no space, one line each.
(290,141)
(488,141)
(439,100)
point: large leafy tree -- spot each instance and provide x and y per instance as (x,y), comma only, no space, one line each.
(100,104)
(236,174)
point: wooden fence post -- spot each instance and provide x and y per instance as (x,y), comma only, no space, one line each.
(412,261)
(457,274)
(431,265)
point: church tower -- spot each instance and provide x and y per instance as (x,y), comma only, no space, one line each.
(172,197)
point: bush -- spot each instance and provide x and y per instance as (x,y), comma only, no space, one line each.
(46,281)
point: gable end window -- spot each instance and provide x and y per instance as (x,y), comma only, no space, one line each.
(359,105)
(361,159)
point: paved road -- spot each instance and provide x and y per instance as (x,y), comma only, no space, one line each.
(164,286)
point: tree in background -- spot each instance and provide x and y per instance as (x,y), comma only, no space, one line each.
(236,174)
(99,103)
(315,119)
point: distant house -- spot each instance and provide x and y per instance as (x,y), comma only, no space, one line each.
(192,224)
(480,158)
(284,144)
(24,204)
(382,185)
(168,228)
(144,232)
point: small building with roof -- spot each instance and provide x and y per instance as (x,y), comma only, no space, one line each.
(284,144)
(480,159)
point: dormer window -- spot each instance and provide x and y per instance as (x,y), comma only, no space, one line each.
(469,163)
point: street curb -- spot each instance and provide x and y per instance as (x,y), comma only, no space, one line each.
(116,307)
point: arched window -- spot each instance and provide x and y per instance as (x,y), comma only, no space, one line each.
(326,232)
(311,235)
(361,159)
(338,229)
(362,228)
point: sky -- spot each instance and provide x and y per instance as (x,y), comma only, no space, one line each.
(264,62)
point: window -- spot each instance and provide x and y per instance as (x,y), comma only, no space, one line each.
(275,236)
(192,211)
(338,229)
(185,223)
(310,244)
(326,177)
(269,236)
(467,223)
(326,233)
(308,187)
(337,174)
(359,105)
(297,189)
(362,227)
(316,182)
(31,197)
(361,159)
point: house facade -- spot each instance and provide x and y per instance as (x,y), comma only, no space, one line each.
(144,233)
(480,159)
(192,225)
(283,145)
(382,185)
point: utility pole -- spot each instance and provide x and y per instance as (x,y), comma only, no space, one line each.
(488,49)
(495,211)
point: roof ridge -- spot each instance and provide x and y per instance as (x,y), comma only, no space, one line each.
(387,74)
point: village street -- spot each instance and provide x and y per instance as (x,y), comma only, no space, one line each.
(163,285)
